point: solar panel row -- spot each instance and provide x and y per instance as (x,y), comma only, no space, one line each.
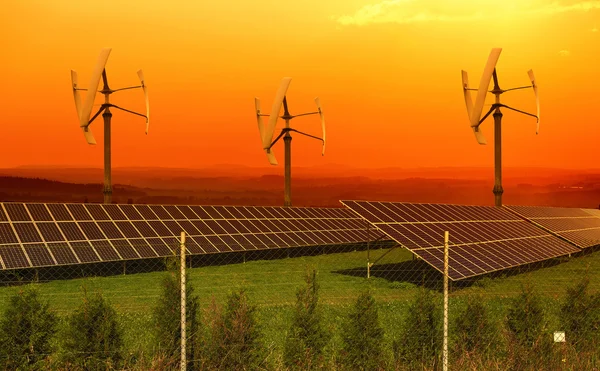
(34,235)
(578,226)
(482,239)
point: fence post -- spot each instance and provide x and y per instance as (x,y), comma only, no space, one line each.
(183,296)
(445,349)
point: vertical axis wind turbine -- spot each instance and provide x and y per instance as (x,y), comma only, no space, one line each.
(475,110)
(266,133)
(84,111)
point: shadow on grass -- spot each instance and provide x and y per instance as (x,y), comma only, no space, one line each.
(16,277)
(420,273)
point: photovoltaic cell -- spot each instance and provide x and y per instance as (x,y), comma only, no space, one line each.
(59,234)
(62,253)
(7,235)
(481,239)
(50,232)
(79,212)
(27,232)
(60,212)
(97,212)
(13,257)
(39,212)
(581,227)
(85,252)
(17,212)
(39,255)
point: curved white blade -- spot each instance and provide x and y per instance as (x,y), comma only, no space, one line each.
(145,88)
(86,109)
(484,84)
(467,93)
(537,99)
(259,118)
(322,115)
(271,157)
(76,94)
(268,133)
(479,135)
(89,137)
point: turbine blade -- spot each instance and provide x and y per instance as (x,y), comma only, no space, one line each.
(86,109)
(145,88)
(271,157)
(89,137)
(537,99)
(76,95)
(479,135)
(268,134)
(322,115)
(484,84)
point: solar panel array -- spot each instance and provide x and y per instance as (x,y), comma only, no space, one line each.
(37,235)
(578,226)
(482,239)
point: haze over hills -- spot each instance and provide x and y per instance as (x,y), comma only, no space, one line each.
(312,186)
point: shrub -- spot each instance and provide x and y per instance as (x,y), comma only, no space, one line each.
(26,330)
(474,331)
(93,336)
(235,335)
(307,337)
(422,332)
(580,315)
(529,344)
(167,320)
(362,336)
(525,319)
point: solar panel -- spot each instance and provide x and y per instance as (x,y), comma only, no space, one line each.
(36,235)
(581,227)
(482,239)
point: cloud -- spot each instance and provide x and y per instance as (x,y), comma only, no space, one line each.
(412,11)
(564,53)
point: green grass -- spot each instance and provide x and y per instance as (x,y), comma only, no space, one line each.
(271,285)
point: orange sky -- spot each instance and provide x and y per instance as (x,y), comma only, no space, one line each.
(388,75)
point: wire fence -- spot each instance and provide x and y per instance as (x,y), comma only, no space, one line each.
(337,307)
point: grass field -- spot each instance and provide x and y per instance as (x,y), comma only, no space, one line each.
(272,284)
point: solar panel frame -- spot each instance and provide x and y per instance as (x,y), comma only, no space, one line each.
(578,226)
(63,234)
(473,230)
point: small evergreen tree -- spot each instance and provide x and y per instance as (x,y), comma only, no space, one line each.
(167,319)
(362,336)
(93,337)
(307,337)
(526,324)
(580,315)
(525,319)
(236,342)
(26,330)
(474,331)
(422,331)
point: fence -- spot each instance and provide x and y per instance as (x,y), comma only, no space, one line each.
(363,306)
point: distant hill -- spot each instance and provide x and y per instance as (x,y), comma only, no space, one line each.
(575,190)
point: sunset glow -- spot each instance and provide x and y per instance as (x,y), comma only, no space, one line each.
(387,73)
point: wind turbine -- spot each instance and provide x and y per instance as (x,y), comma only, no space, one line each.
(474,111)
(266,133)
(84,111)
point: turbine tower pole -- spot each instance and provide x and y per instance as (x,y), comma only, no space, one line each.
(107,115)
(498,190)
(287,139)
